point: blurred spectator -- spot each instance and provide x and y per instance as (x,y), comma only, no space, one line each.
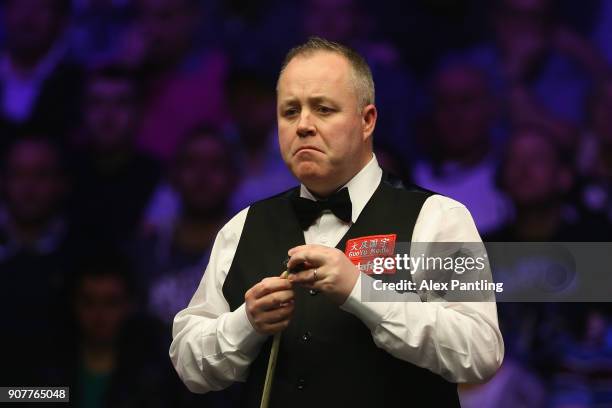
(584,368)
(392,162)
(540,65)
(98,27)
(595,155)
(252,107)
(513,386)
(269,25)
(36,247)
(34,188)
(252,103)
(113,356)
(39,85)
(114,180)
(172,256)
(458,144)
(426,29)
(537,176)
(397,97)
(184,84)
(601,29)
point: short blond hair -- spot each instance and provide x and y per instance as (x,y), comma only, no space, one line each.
(362,75)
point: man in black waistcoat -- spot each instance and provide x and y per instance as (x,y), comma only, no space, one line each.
(336,350)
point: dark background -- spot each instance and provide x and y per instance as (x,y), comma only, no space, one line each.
(131,130)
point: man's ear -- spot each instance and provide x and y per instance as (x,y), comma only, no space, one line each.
(369,115)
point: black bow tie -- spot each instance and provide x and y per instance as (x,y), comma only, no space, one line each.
(308,211)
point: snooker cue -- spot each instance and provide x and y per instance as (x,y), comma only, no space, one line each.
(267,390)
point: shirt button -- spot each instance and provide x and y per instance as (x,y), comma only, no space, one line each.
(300,384)
(306,336)
(313,292)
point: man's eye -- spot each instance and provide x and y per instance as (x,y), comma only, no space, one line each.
(289,112)
(324,110)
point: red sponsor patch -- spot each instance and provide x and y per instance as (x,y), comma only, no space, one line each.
(363,250)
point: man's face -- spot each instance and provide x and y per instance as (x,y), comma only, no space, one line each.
(102,307)
(333,19)
(523,29)
(203,178)
(532,175)
(32,26)
(34,185)
(252,106)
(111,112)
(463,110)
(323,135)
(169,26)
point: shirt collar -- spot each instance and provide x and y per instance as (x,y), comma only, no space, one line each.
(361,187)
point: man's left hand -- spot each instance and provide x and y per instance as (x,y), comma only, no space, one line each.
(335,273)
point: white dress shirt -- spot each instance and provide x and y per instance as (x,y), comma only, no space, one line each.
(213,347)
(489,208)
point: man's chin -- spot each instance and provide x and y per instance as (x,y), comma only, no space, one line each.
(309,172)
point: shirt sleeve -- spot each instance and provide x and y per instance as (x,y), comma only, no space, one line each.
(460,341)
(212,347)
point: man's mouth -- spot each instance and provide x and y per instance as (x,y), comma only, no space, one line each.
(306,148)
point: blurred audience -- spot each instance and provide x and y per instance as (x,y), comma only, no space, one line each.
(513,386)
(519,129)
(98,27)
(35,186)
(113,179)
(263,173)
(269,26)
(583,371)
(182,81)
(252,104)
(172,255)
(36,248)
(537,176)
(541,65)
(457,141)
(39,82)
(595,154)
(392,162)
(397,97)
(101,355)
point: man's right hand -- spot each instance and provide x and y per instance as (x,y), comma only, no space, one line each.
(269,305)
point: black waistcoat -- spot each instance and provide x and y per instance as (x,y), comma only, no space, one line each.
(327,356)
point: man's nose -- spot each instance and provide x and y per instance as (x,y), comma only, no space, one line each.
(305,127)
